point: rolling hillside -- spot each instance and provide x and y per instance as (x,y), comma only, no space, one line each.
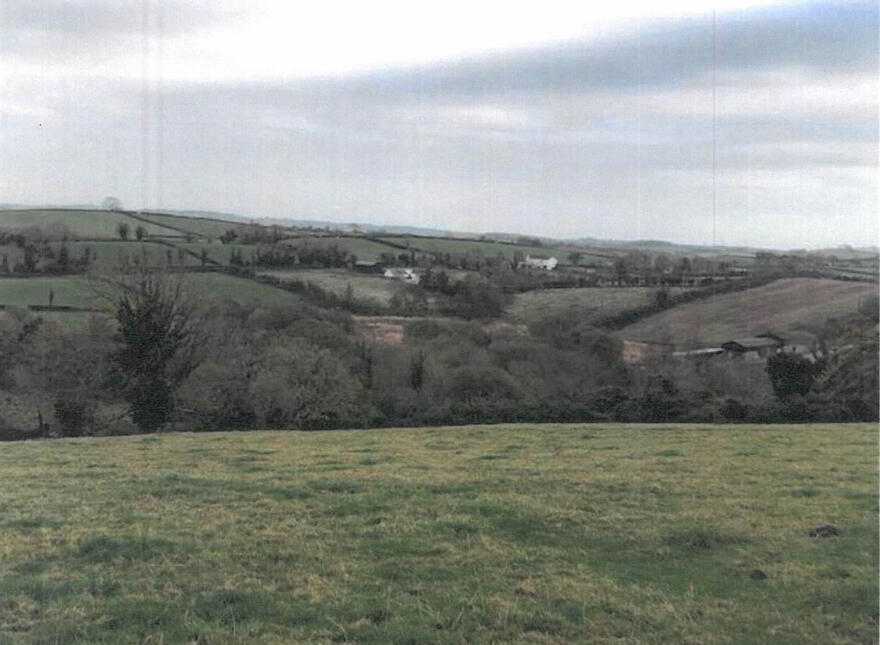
(87,224)
(74,291)
(781,305)
(589,304)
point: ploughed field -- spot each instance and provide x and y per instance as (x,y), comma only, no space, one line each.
(492,534)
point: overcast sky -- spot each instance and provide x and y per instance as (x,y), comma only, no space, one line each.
(759,127)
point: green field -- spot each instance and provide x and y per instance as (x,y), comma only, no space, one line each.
(198,225)
(506,534)
(75,291)
(590,304)
(488,249)
(81,223)
(21,292)
(216,252)
(369,287)
(212,285)
(365,249)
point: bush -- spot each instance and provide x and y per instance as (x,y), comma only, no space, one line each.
(734,410)
(74,416)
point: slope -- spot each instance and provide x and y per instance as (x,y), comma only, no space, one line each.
(781,305)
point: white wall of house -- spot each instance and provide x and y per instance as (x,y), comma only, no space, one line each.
(541,263)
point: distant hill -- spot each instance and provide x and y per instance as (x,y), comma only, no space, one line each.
(226,217)
(782,305)
(612,245)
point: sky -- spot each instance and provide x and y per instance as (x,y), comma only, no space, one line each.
(735,122)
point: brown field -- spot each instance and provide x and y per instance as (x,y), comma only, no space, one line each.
(782,305)
(591,303)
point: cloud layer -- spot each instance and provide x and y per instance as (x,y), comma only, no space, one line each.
(765,134)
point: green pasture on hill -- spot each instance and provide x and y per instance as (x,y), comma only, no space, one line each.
(364,249)
(23,292)
(487,249)
(242,290)
(370,287)
(81,223)
(551,534)
(74,291)
(197,225)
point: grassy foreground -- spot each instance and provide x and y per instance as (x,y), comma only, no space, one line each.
(493,534)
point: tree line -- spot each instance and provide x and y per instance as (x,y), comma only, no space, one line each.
(163,358)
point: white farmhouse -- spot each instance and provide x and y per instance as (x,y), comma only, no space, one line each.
(540,262)
(405,275)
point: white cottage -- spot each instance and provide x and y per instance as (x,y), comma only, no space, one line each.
(540,262)
(405,275)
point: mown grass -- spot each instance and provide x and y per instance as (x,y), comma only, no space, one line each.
(502,534)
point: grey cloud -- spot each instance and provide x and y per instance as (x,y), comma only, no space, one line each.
(823,35)
(37,28)
(553,141)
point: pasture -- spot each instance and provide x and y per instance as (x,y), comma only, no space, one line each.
(89,224)
(368,287)
(74,291)
(363,248)
(23,292)
(778,306)
(461,247)
(551,534)
(200,226)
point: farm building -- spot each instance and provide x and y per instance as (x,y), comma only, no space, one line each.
(798,342)
(405,275)
(539,262)
(752,348)
(763,345)
(364,266)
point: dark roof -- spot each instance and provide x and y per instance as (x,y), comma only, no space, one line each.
(797,337)
(751,344)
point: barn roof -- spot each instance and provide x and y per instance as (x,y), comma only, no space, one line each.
(751,344)
(796,337)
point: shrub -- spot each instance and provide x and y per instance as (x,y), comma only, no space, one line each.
(734,410)
(74,416)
